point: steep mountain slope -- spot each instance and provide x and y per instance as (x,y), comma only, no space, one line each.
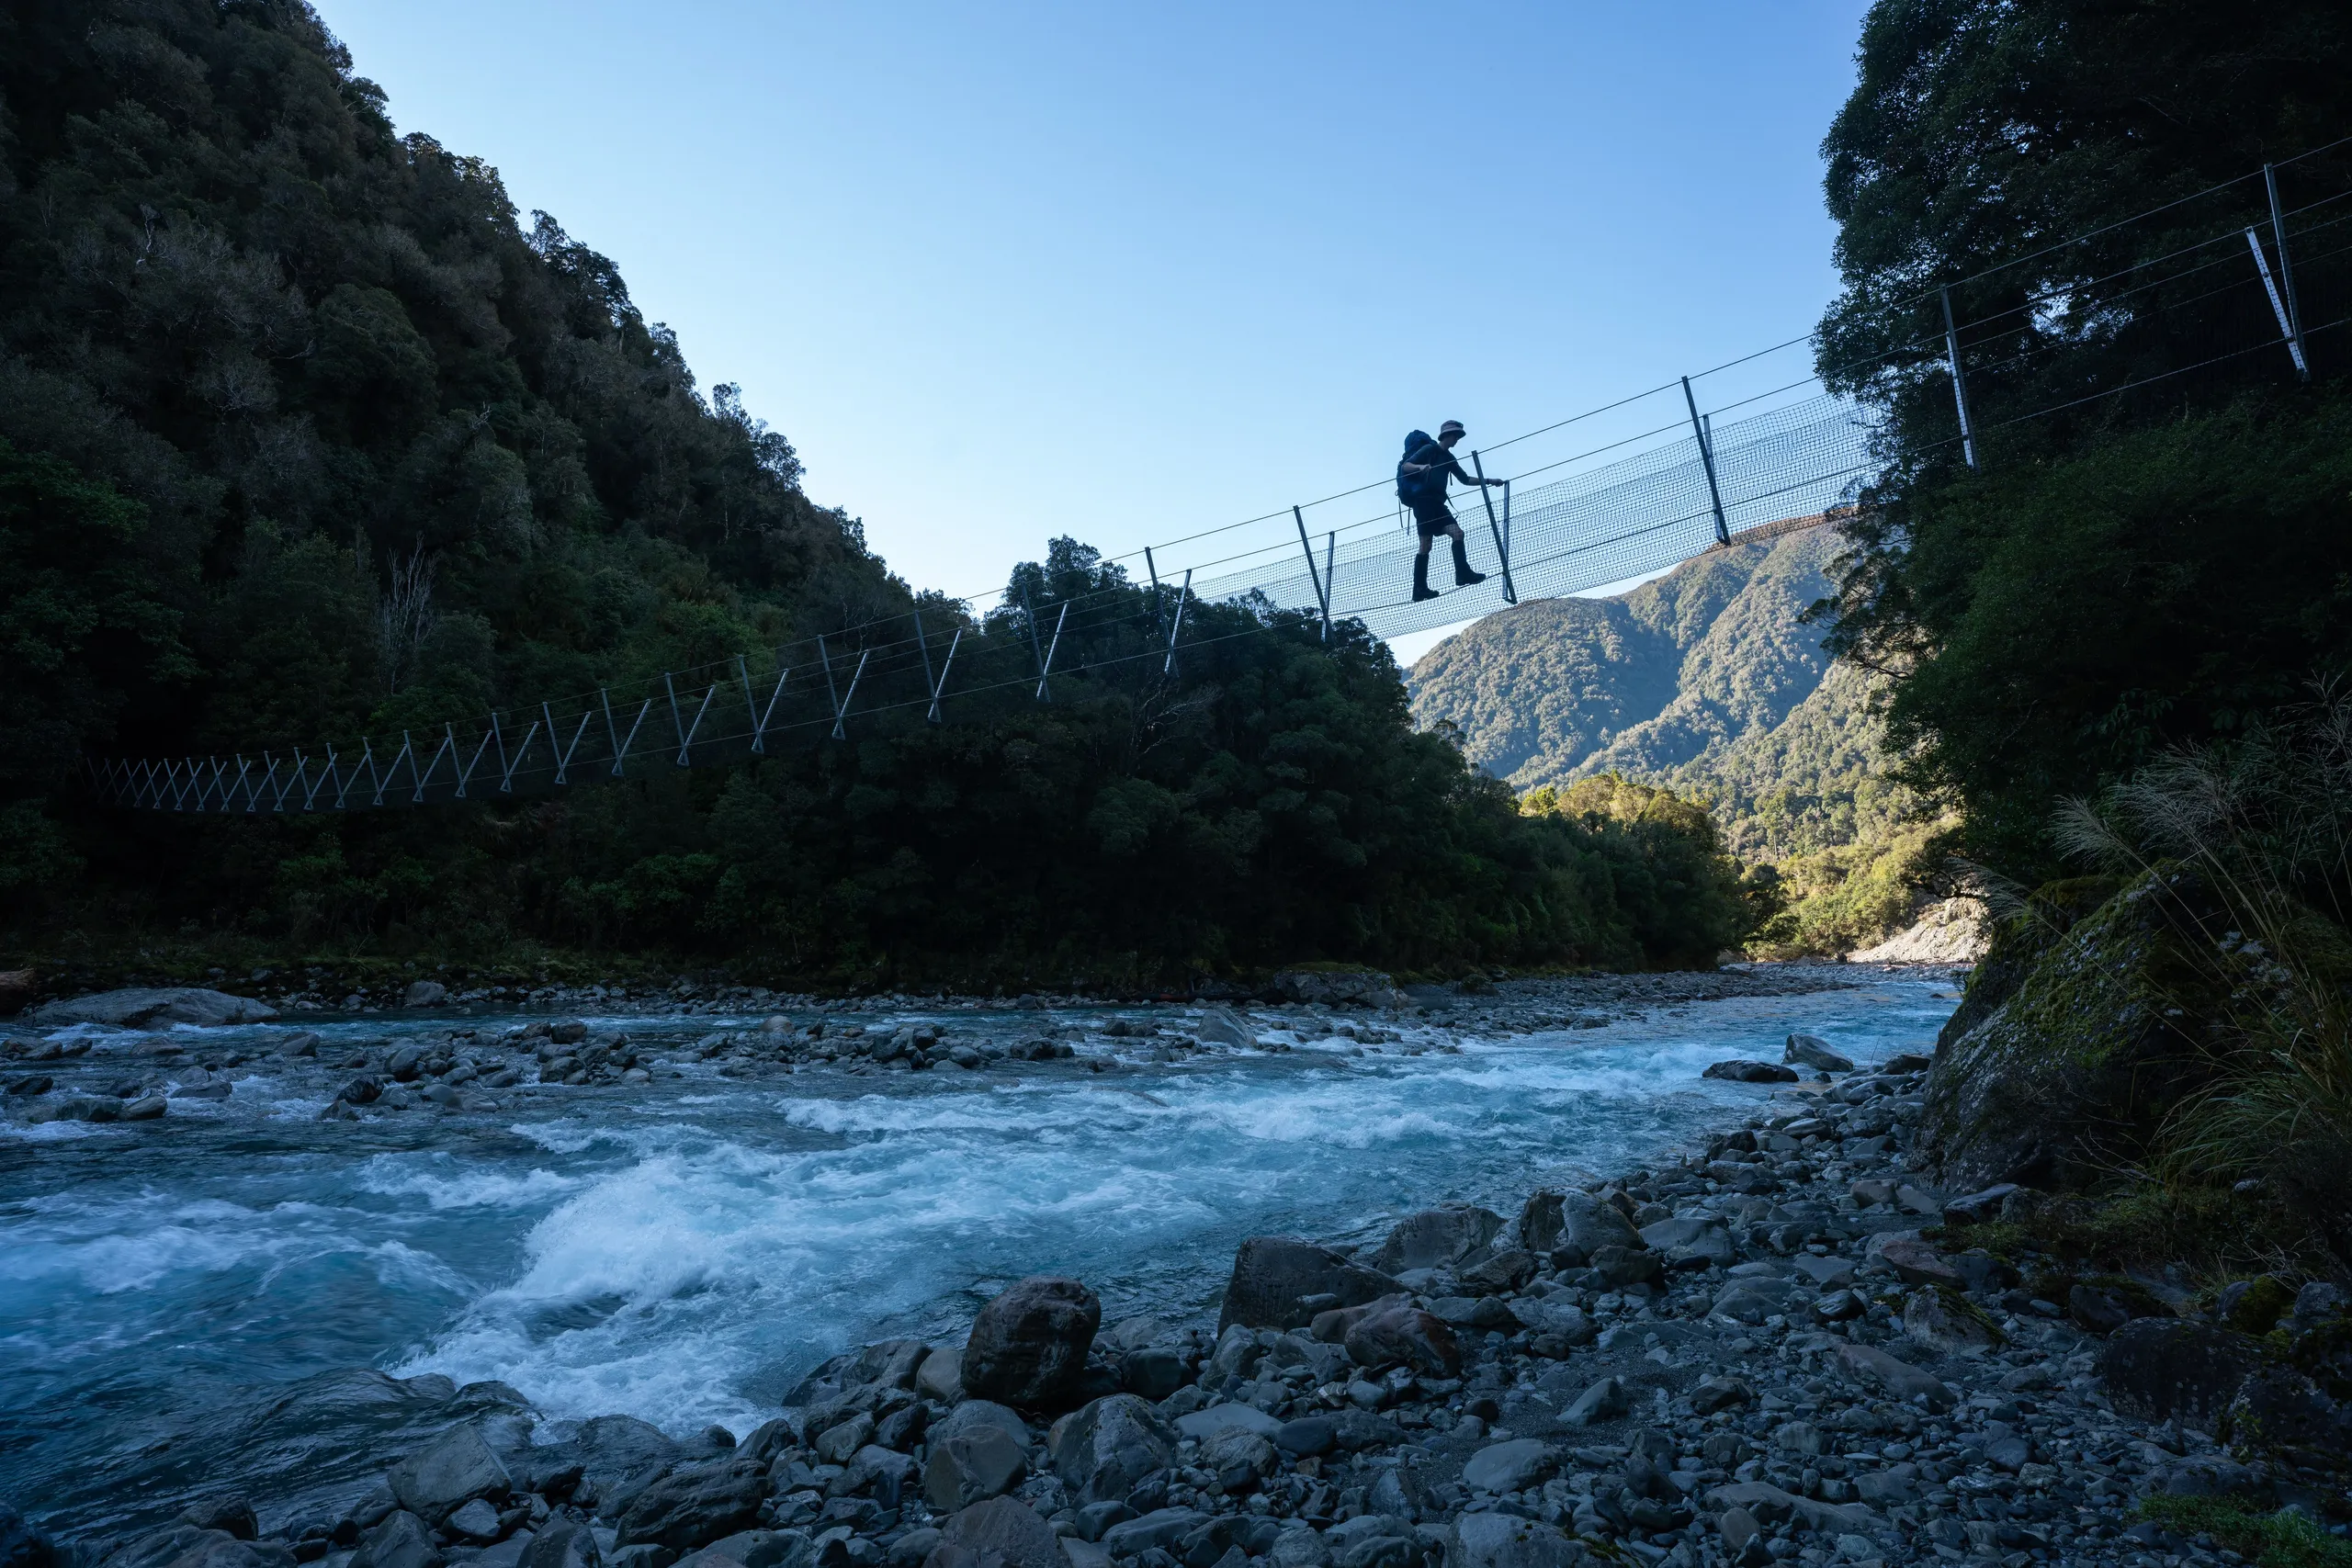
(1703,681)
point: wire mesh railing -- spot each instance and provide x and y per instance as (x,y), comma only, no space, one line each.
(1684,483)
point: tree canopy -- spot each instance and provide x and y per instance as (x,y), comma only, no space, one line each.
(306,432)
(2162,557)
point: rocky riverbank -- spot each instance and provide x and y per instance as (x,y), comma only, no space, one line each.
(1778,1348)
(127,1062)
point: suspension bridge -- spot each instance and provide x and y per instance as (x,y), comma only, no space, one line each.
(1684,482)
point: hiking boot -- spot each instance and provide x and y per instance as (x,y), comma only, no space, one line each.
(1421,589)
(1463,576)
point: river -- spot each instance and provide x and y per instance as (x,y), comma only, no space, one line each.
(684,1250)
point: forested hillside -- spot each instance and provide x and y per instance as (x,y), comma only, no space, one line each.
(1705,682)
(305,433)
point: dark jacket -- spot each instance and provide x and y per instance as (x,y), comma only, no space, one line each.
(1426,489)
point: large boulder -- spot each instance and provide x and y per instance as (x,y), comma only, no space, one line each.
(1586,1224)
(133,1008)
(1028,1345)
(399,1540)
(1812,1051)
(561,1543)
(1279,1282)
(1110,1445)
(1504,1540)
(1402,1333)
(972,1463)
(2157,1369)
(1454,1235)
(454,1470)
(1003,1530)
(2082,1036)
(696,1505)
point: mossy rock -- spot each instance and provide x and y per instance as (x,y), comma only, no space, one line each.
(2020,944)
(2261,1304)
(2080,1061)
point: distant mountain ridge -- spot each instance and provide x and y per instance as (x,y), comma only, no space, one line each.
(1704,680)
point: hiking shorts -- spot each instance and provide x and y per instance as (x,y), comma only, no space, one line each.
(1432,521)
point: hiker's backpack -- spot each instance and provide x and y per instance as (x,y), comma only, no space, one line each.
(1426,487)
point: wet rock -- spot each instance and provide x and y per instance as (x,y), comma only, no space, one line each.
(620,1456)
(561,1543)
(1239,1459)
(228,1512)
(1508,1466)
(402,1540)
(967,1466)
(1622,1266)
(1738,1071)
(1946,1321)
(34,1084)
(136,1008)
(878,1472)
(1913,1259)
(1283,1283)
(147,1108)
(476,1521)
(941,1376)
(1201,1426)
(1900,1379)
(1586,1226)
(1503,1540)
(1812,1051)
(2277,1410)
(2070,1040)
(1504,1273)
(1772,1507)
(696,1505)
(424,994)
(837,1442)
(77,1108)
(1704,1240)
(1221,1026)
(1028,1345)
(1455,1234)
(1555,1317)
(1160,1528)
(1308,1437)
(1977,1208)
(1154,1372)
(903,1429)
(1008,1531)
(1408,1335)
(454,1470)
(1110,1446)
(1604,1400)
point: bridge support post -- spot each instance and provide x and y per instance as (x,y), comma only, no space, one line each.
(1322,597)
(1707,461)
(939,686)
(1959,382)
(2286,332)
(1495,528)
(2293,312)
(1183,594)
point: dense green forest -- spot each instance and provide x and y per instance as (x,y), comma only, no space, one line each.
(2163,560)
(1707,681)
(304,434)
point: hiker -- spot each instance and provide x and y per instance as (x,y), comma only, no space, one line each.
(1420,484)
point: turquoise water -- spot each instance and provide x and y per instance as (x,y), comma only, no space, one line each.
(684,1250)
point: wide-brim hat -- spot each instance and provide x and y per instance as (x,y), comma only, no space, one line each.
(1450,427)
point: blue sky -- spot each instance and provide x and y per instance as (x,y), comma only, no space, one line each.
(1122,272)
